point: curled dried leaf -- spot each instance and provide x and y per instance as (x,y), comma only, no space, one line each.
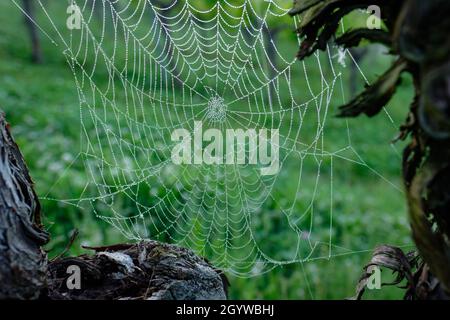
(393,258)
(320,21)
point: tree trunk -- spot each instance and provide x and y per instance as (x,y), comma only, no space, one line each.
(23,263)
(147,270)
(30,18)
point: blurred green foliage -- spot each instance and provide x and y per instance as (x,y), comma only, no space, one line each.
(41,103)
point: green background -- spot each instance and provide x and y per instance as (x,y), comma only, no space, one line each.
(41,104)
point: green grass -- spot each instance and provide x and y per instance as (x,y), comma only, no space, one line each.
(41,103)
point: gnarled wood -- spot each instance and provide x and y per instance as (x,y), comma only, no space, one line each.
(148,270)
(23,263)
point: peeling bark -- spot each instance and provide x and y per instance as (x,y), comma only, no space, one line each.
(23,263)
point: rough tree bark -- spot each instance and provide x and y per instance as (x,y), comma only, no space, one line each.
(146,270)
(23,263)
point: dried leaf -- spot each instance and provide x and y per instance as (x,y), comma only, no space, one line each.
(320,21)
(354,37)
(393,258)
(376,96)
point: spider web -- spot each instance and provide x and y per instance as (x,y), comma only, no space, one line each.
(144,68)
